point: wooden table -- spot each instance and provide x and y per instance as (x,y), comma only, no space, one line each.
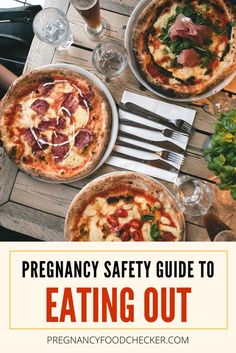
(38,209)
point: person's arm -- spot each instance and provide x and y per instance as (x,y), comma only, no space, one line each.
(6,77)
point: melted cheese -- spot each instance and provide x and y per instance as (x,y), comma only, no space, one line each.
(146,232)
(162,20)
(165,220)
(166,228)
(95,233)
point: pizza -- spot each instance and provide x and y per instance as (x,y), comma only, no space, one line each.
(55,124)
(184,48)
(124,206)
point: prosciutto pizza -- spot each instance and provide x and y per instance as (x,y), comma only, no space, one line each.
(124,206)
(55,124)
(183,48)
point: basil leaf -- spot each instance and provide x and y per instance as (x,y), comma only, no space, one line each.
(154,231)
(147,217)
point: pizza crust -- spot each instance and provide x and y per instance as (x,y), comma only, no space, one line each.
(95,152)
(147,17)
(111,181)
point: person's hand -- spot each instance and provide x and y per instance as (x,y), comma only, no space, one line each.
(6,77)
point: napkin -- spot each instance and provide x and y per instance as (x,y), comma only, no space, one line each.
(168,110)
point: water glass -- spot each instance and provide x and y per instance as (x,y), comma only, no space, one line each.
(226,235)
(194,196)
(51,26)
(110,59)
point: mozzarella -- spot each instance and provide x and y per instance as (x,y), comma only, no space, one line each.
(165,220)
(166,228)
(142,201)
(162,20)
(95,233)
(146,229)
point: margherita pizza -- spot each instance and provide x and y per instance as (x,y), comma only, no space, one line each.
(55,124)
(124,206)
(183,48)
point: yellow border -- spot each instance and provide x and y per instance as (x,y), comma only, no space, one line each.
(120,328)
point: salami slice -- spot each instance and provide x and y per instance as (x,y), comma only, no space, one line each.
(39,147)
(83,138)
(40,106)
(60,146)
(86,99)
(52,124)
(70,103)
(31,136)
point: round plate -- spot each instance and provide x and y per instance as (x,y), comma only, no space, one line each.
(132,63)
(139,182)
(114,119)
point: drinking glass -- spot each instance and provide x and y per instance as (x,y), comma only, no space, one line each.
(96,28)
(226,235)
(194,196)
(51,26)
(110,59)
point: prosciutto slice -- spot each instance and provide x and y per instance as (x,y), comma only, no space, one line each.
(189,58)
(183,27)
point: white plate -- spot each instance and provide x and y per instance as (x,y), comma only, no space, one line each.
(114,122)
(132,63)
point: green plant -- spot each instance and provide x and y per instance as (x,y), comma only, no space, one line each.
(222,152)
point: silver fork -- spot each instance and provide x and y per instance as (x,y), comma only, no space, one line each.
(175,135)
(136,109)
(150,158)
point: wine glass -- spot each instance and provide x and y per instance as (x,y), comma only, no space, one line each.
(51,26)
(96,28)
(110,59)
(194,196)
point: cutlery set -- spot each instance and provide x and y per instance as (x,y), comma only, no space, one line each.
(147,142)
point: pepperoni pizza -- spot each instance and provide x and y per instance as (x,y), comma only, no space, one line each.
(55,124)
(183,48)
(124,206)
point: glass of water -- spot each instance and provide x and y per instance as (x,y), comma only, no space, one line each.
(110,59)
(194,196)
(51,26)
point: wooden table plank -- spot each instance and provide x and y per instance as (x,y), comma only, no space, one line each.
(32,222)
(47,197)
(8,172)
(120,6)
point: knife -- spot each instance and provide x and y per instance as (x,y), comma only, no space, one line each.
(132,108)
(149,145)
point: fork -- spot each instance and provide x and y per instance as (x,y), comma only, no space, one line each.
(175,135)
(172,158)
(136,109)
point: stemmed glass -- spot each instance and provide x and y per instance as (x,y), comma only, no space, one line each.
(51,26)
(110,59)
(96,28)
(194,196)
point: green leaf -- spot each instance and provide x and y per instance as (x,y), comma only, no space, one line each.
(154,231)
(233,192)
(147,217)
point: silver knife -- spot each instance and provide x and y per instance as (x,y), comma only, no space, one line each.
(178,125)
(149,145)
